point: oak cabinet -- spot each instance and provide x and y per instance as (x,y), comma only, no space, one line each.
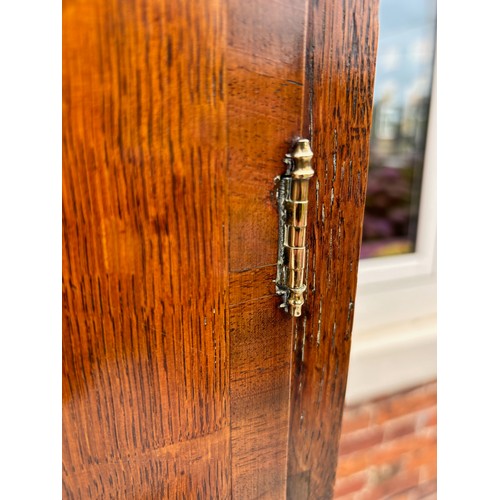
(182,377)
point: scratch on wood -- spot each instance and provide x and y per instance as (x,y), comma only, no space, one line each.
(313,276)
(348,332)
(335,140)
(330,246)
(350,183)
(349,310)
(334,331)
(295,83)
(317,194)
(304,325)
(303,345)
(318,335)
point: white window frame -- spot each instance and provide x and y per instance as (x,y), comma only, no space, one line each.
(394,332)
(422,261)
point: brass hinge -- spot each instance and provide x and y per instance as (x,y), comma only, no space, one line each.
(293,195)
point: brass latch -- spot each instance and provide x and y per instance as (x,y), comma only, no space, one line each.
(293,193)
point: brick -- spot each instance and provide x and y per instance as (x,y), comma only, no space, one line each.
(389,453)
(400,427)
(422,455)
(432,496)
(388,448)
(406,404)
(405,445)
(351,496)
(427,418)
(397,484)
(383,473)
(426,491)
(355,419)
(352,464)
(349,485)
(360,440)
(428,472)
(407,495)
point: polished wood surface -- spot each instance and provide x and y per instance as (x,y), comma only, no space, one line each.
(341,52)
(145,273)
(265,87)
(181,376)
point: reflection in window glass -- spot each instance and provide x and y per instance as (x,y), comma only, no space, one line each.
(400,114)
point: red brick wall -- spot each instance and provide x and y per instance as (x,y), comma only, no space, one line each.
(388,448)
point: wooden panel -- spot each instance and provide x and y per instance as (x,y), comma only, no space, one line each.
(253,284)
(145,269)
(340,69)
(174,129)
(260,380)
(265,84)
(265,71)
(195,468)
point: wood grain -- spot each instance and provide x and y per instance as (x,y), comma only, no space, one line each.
(265,71)
(340,61)
(265,84)
(260,369)
(178,365)
(145,269)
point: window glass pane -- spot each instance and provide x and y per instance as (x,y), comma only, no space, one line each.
(400,115)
